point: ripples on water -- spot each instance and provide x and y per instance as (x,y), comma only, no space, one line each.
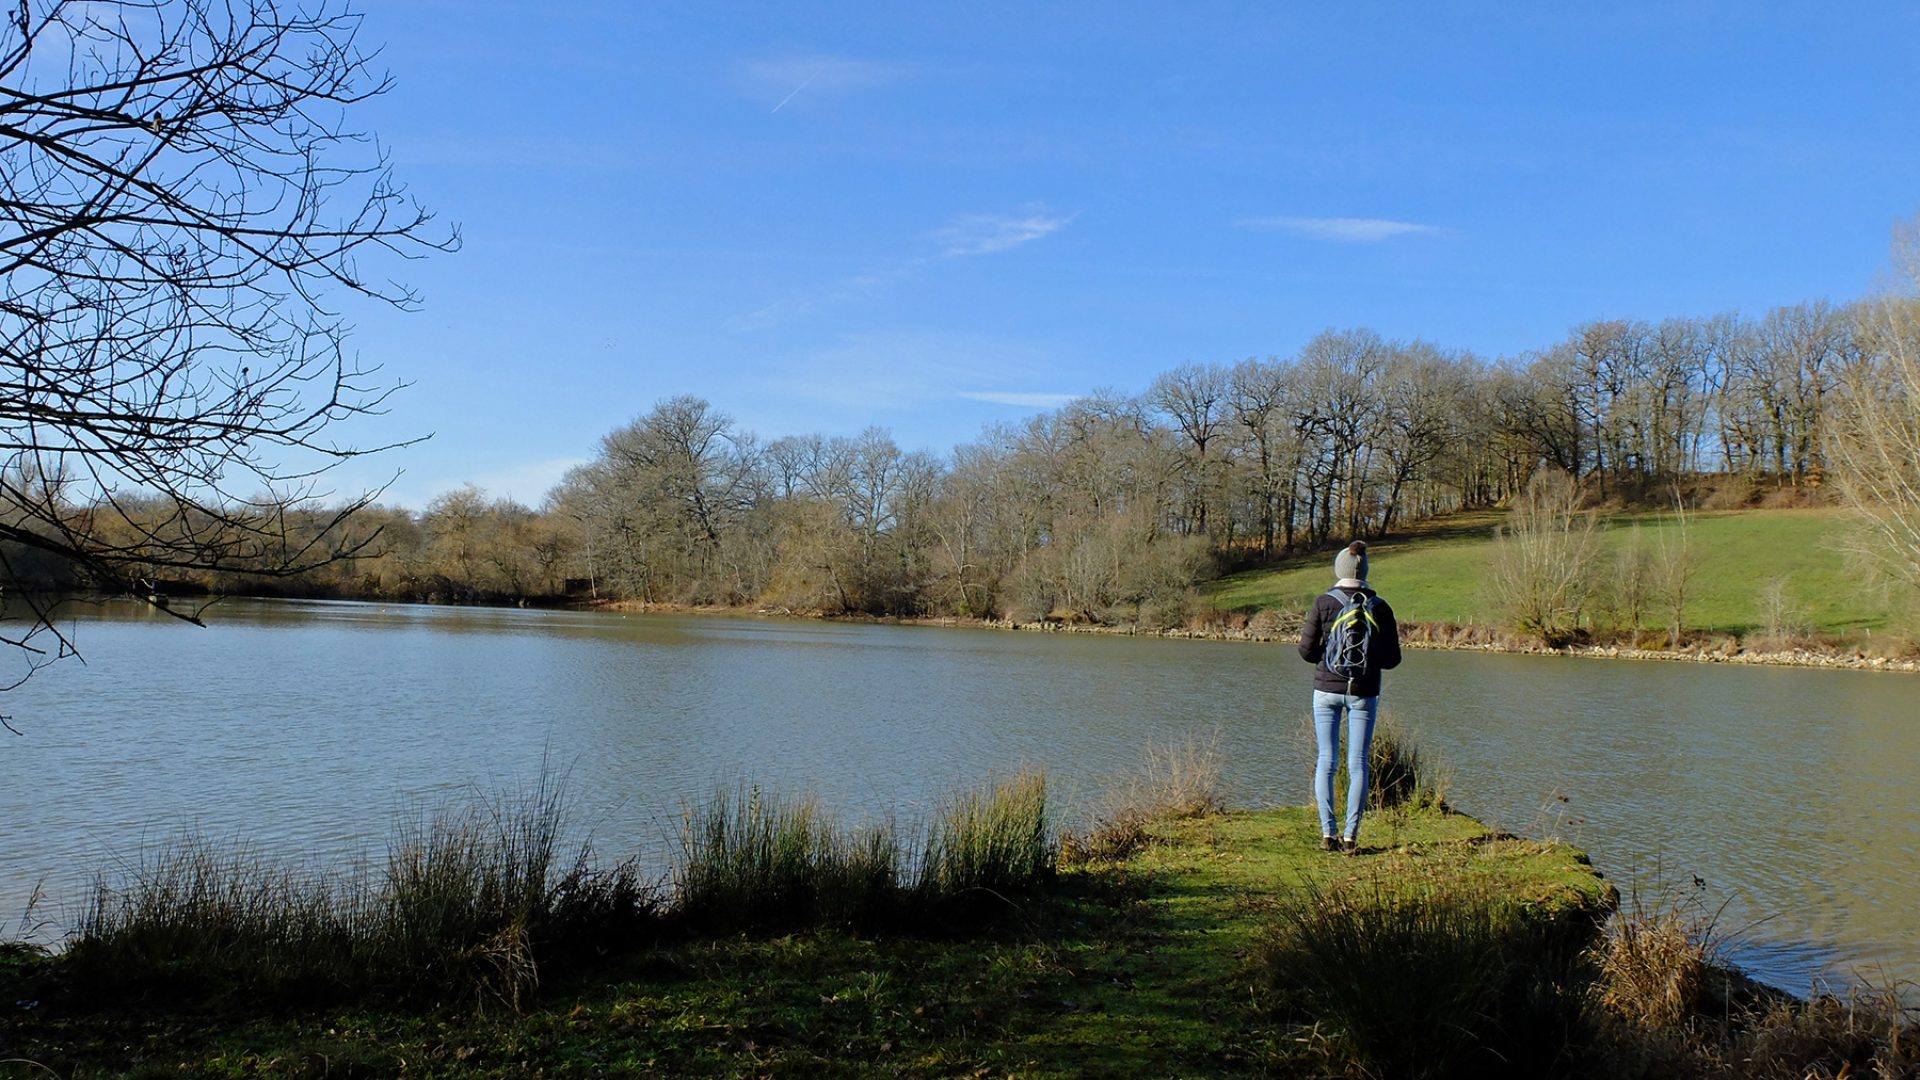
(306,727)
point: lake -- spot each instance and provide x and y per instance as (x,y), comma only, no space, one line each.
(306,727)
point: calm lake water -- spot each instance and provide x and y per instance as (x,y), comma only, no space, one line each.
(307,727)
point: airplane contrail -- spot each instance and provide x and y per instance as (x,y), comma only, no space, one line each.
(804,83)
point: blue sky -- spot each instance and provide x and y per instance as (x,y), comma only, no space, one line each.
(933,217)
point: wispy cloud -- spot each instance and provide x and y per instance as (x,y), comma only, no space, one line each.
(966,237)
(1018,399)
(783,79)
(985,234)
(1339,230)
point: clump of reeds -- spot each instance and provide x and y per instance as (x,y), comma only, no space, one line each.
(1655,960)
(992,840)
(1667,1004)
(476,901)
(751,861)
(1401,773)
(192,917)
(465,892)
(1182,779)
(1115,834)
(1421,974)
(1865,1033)
(470,901)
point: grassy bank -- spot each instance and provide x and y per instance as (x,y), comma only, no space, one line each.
(1172,939)
(1145,966)
(1751,568)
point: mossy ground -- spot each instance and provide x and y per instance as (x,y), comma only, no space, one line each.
(1136,968)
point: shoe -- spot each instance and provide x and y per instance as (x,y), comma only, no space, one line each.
(1328,843)
(1350,845)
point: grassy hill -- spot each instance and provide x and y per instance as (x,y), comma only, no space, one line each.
(1438,572)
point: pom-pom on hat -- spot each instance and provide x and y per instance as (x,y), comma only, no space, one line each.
(1351,562)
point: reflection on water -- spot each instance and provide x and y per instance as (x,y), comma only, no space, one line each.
(306,726)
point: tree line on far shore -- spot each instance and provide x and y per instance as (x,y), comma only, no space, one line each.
(1114,506)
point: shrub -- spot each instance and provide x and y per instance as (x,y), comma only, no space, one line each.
(1180,779)
(1866,1034)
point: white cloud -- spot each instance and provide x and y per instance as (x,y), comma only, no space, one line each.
(1018,399)
(986,234)
(783,80)
(1340,230)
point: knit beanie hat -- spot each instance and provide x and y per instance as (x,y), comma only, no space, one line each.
(1351,562)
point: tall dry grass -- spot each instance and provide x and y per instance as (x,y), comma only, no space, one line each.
(1180,778)
(1666,1004)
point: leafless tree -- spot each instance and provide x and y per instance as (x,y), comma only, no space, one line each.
(1543,559)
(182,202)
(1673,570)
(1876,445)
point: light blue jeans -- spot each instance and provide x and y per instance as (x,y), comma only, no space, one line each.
(1360,712)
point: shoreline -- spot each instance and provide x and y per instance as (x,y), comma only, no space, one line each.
(1415,636)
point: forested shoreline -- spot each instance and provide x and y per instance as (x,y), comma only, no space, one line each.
(1112,508)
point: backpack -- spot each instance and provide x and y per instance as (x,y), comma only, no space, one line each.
(1349,636)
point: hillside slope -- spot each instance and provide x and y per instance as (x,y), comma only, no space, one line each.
(1439,572)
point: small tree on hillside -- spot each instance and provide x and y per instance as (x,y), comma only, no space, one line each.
(1673,569)
(1875,446)
(1632,589)
(1542,564)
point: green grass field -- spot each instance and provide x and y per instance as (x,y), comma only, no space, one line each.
(1438,572)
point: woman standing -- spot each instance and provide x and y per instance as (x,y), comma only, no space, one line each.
(1350,637)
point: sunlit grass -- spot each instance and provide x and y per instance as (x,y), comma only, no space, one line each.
(1438,573)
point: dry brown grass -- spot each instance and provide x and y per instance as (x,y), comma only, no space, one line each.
(1654,962)
(1864,1034)
(1666,1006)
(1177,779)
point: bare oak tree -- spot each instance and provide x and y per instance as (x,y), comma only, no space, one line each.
(182,200)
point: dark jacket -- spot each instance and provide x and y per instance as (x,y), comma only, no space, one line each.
(1383,648)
